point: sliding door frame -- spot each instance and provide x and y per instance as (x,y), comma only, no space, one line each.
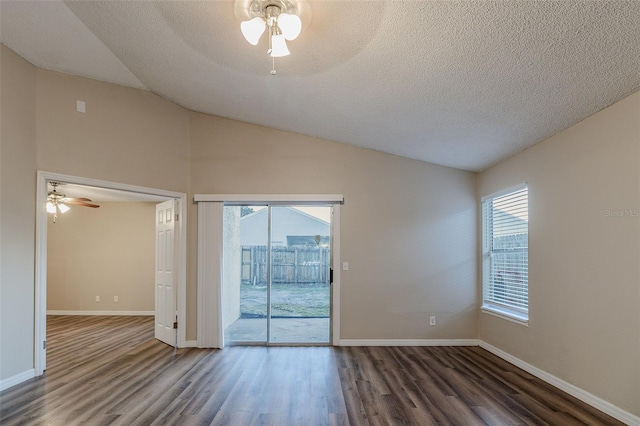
(213,286)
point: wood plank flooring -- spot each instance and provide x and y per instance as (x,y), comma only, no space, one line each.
(110,371)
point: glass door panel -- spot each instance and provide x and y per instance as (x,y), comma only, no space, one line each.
(276,272)
(245,274)
(300,264)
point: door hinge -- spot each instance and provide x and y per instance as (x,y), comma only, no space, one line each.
(175,325)
(330,275)
(177,217)
(44,344)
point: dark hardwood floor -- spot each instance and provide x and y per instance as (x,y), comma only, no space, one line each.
(110,370)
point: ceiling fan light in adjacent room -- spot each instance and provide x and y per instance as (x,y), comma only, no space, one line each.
(290,25)
(279,46)
(51,208)
(252,30)
(63,208)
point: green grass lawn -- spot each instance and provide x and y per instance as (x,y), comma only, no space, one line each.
(287,300)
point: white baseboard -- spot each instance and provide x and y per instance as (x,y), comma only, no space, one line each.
(594,401)
(122,313)
(190,344)
(408,342)
(17,379)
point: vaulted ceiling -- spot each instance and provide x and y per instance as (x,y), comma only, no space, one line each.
(458,83)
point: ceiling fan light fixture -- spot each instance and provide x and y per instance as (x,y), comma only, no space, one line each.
(278,18)
(57,202)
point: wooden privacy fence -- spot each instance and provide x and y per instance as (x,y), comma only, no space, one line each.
(289,264)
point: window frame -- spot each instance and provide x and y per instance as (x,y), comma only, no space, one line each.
(492,307)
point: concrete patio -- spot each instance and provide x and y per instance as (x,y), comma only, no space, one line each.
(283,330)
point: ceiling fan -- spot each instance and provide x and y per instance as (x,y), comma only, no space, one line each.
(57,202)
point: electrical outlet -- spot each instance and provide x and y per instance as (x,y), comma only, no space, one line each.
(97,299)
(432,320)
(115,299)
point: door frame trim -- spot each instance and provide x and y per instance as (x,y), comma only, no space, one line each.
(335,286)
(273,199)
(40,308)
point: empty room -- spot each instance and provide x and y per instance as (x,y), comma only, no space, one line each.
(364,213)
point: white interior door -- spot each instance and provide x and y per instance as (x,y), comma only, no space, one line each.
(165,272)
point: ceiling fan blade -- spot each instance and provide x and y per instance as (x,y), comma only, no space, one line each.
(67,200)
(82,203)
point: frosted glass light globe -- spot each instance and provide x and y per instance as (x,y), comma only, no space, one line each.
(290,25)
(279,46)
(252,30)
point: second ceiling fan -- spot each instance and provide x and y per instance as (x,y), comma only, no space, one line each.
(57,202)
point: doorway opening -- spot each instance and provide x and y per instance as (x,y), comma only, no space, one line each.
(97,191)
(277,274)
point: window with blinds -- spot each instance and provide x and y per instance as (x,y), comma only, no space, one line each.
(505,230)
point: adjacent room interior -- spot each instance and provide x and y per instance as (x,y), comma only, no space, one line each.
(429,147)
(101,259)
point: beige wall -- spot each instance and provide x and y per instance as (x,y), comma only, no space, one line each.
(126,135)
(408,227)
(584,273)
(17,212)
(106,252)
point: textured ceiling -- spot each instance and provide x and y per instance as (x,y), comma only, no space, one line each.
(458,83)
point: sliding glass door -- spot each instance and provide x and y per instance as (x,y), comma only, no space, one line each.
(300,265)
(276,279)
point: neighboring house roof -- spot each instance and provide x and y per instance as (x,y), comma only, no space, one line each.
(285,221)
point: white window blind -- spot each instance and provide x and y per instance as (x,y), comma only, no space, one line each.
(505,228)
